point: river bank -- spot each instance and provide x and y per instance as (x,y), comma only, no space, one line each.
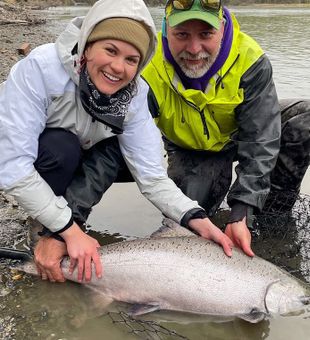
(27,26)
(19,23)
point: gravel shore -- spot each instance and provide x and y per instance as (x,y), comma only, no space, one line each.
(29,27)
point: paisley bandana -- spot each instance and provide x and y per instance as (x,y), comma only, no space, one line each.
(109,110)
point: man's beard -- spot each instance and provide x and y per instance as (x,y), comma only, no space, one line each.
(196,71)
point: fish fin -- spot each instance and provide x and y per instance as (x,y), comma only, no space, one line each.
(170,228)
(138,309)
(254,316)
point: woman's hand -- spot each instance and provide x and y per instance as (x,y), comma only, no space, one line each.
(82,250)
(205,228)
(48,254)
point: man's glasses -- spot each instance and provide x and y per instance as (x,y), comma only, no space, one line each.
(206,5)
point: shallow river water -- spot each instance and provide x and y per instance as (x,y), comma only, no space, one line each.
(68,311)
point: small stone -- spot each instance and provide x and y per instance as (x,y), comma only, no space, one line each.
(17,277)
(24,49)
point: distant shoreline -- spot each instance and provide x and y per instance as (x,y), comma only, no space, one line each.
(258,5)
(292,5)
(255,5)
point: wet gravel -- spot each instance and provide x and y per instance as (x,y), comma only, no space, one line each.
(12,36)
(13,226)
(12,234)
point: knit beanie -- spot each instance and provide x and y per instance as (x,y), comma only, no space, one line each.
(125,29)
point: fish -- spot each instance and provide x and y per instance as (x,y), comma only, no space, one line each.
(176,270)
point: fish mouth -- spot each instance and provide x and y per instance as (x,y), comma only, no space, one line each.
(305,299)
(285,296)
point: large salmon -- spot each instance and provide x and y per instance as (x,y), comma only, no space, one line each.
(190,274)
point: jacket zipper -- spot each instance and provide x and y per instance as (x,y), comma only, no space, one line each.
(219,79)
(202,117)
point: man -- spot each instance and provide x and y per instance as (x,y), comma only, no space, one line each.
(214,100)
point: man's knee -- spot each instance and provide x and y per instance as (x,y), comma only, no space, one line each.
(296,124)
(291,108)
(294,156)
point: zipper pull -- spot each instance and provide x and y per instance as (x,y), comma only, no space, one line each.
(206,131)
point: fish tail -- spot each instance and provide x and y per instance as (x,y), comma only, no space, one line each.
(14,254)
(26,265)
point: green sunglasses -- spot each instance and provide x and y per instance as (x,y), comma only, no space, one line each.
(206,5)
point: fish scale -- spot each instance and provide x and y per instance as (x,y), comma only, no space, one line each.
(193,275)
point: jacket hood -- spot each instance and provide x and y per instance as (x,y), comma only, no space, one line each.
(71,42)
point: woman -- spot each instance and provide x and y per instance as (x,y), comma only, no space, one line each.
(84,91)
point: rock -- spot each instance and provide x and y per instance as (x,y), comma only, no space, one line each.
(24,49)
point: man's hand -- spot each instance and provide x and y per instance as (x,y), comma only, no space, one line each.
(48,254)
(205,228)
(83,250)
(239,233)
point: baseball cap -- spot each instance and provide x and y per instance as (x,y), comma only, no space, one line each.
(209,11)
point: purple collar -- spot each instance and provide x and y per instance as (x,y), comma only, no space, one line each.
(201,83)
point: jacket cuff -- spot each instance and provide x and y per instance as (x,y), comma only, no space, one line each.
(46,232)
(67,226)
(239,210)
(192,214)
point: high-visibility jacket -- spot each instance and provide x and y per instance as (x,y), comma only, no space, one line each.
(239,106)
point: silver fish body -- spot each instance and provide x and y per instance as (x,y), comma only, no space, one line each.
(191,274)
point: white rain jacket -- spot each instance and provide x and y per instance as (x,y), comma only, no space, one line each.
(41,91)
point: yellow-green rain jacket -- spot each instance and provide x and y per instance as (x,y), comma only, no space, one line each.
(239,106)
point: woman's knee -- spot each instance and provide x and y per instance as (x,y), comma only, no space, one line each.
(59,155)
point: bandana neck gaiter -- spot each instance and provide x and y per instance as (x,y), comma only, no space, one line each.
(109,110)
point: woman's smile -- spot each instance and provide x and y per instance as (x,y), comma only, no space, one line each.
(111,77)
(111,64)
